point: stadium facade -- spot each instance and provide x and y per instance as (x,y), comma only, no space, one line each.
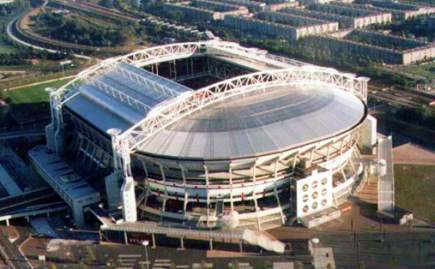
(208,134)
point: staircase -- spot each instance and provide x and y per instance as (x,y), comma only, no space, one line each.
(368,193)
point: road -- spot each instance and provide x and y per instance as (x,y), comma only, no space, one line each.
(13,256)
(24,43)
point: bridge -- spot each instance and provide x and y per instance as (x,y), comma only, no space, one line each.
(24,131)
(32,203)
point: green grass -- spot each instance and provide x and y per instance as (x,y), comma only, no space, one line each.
(33,94)
(29,103)
(415,186)
(425,70)
(5,49)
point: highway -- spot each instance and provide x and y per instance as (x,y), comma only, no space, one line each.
(10,34)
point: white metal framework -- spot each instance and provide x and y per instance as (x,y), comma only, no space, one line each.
(184,104)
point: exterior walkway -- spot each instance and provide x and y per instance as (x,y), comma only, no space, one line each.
(9,183)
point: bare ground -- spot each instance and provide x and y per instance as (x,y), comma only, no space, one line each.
(413,154)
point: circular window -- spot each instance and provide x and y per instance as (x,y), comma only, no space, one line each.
(324,181)
(324,202)
(314,185)
(305,187)
(305,209)
(305,198)
(315,195)
(314,206)
(324,192)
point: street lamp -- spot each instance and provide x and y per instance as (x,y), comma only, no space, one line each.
(145,243)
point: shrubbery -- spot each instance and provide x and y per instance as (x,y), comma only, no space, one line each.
(74,29)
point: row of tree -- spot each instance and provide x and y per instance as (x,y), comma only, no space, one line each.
(73,29)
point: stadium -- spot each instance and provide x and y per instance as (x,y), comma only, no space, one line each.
(205,134)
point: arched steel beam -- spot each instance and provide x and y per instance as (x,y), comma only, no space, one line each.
(169,52)
(181,106)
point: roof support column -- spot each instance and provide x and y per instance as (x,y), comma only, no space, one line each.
(122,165)
(231,186)
(275,174)
(186,201)
(54,131)
(254,179)
(186,194)
(208,197)
(165,197)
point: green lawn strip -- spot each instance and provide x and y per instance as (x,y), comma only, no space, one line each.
(415,186)
(32,94)
(425,70)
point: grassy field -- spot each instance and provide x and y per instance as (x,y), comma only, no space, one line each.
(4,49)
(33,94)
(425,70)
(29,103)
(415,186)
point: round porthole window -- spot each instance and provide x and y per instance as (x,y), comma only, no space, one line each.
(314,185)
(314,206)
(305,209)
(324,202)
(324,192)
(305,198)
(305,187)
(324,181)
(315,195)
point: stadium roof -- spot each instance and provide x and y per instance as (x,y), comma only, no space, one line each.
(121,96)
(271,121)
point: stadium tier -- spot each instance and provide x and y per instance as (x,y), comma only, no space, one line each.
(212,134)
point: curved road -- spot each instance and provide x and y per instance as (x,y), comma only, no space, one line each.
(24,43)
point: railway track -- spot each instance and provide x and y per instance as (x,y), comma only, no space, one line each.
(399,96)
(90,8)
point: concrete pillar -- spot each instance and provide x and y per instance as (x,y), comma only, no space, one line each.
(153,238)
(125,238)
(54,138)
(211,244)
(181,243)
(78,216)
(231,192)
(112,185)
(128,196)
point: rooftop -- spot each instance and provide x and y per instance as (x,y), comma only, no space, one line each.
(278,118)
(122,96)
(60,173)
